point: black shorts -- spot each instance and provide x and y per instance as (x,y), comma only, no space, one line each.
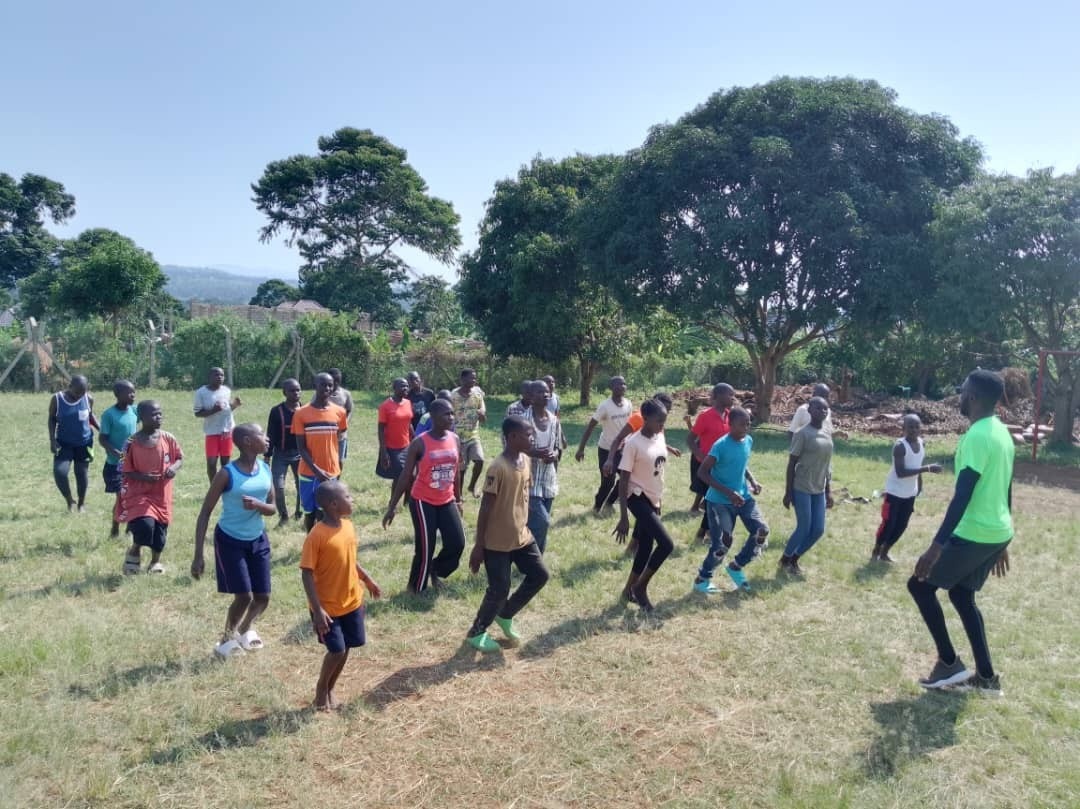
(76,454)
(346,632)
(697,485)
(965,564)
(149,533)
(113,477)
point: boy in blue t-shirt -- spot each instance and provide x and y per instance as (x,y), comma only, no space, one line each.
(726,471)
(118,424)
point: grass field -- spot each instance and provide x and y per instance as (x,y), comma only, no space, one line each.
(802,694)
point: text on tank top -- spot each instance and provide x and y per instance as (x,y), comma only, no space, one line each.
(436,470)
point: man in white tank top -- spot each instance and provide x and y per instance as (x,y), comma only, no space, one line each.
(902,485)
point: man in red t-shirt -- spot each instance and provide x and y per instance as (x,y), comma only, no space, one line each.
(395,431)
(710,427)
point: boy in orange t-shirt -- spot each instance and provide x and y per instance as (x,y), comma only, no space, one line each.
(334,583)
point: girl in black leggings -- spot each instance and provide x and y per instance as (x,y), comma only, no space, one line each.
(641,488)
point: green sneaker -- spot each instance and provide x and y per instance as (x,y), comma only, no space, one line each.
(483,643)
(507,626)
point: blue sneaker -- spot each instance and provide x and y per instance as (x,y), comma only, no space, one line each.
(739,578)
(706,587)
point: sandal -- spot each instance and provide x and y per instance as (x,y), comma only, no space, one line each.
(250,641)
(132,565)
(229,648)
(157,567)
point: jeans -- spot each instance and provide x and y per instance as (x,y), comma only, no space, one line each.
(540,519)
(722,526)
(280,465)
(497,600)
(809,522)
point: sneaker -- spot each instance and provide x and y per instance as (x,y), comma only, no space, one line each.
(483,643)
(943,675)
(507,627)
(706,587)
(739,578)
(986,686)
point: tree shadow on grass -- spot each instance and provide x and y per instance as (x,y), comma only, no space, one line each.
(409,682)
(580,573)
(911,728)
(118,682)
(871,572)
(236,733)
(103,583)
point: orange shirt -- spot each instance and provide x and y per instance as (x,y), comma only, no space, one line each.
(148,498)
(397,420)
(320,427)
(635,422)
(330,554)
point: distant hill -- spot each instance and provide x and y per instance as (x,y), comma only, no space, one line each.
(211,285)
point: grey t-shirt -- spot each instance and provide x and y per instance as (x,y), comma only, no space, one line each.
(813,448)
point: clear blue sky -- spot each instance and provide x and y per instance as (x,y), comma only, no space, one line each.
(159,116)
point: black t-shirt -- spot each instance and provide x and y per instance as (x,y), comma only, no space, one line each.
(421,401)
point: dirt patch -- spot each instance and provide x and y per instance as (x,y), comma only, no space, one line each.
(1063,477)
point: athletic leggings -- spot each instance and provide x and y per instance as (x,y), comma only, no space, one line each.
(649,532)
(607,483)
(963,598)
(61,469)
(427,520)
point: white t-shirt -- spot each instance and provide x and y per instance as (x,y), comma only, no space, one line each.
(909,486)
(802,418)
(645,459)
(611,418)
(222,421)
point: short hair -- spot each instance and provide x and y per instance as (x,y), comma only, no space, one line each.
(909,417)
(664,399)
(651,408)
(122,384)
(79,380)
(144,406)
(466,372)
(242,431)
(739,414)
(443,394)
(822,390)
(514,424)
(619,377)
(328,491)
(526,384)
(986,386)
(722,387)
(412,375)
(400,381)
(315,379)
(440,405)
(290,381)
(537,384)
(335,374)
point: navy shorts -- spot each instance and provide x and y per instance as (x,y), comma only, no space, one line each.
(243,566)
(149,533)
(112,476)
(346,632)
(76,454)
(309,503)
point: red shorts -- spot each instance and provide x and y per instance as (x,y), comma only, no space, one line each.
(219,446)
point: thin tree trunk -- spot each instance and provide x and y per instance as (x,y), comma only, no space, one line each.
(588,371)
(1064,403)
(765,366)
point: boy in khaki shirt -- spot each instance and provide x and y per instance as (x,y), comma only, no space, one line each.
(503,539)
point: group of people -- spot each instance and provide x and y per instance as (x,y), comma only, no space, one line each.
(428,442)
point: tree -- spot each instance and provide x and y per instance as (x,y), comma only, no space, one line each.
(778,214)
(274,291)
(434,305)
(25,245)
(100,272)
(347,209)
(1009,254)
(525,283)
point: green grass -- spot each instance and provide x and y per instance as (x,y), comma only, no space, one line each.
(800,695)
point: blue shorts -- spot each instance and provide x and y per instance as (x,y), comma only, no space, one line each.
(308,487)
(243,566)
(346,632)
(113,477)
(149,533)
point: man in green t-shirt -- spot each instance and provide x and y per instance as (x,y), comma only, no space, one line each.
(973,538)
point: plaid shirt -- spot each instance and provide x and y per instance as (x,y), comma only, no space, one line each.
(545,476)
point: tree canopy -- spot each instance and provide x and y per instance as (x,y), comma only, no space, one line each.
(348,209)
(779,213)
(1009,254)
(274,291)
(526,283)
(25,245)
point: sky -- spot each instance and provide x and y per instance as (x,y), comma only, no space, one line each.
(159,116)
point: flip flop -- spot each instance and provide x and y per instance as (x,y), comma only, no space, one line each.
(157,567)
(250,641)
(228,648)
(132,566)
